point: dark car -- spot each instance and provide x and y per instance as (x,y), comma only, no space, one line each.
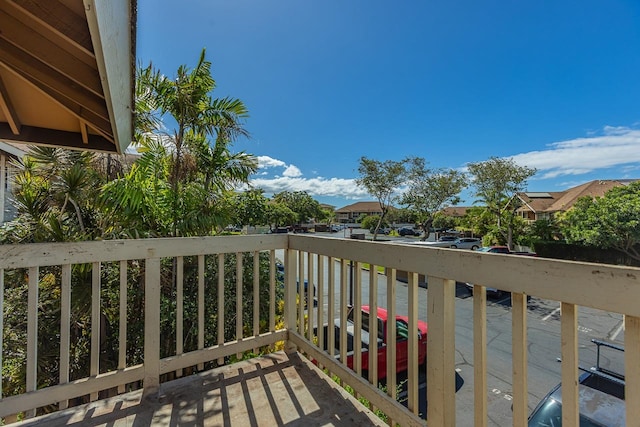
(408,231)
(600,400)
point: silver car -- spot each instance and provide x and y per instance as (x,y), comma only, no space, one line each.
(466,243)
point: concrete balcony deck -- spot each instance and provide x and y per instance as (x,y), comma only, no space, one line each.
(276,389)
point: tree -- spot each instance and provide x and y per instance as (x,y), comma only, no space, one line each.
(188,103)
(250,208)
(430,191)
(369,222)
(382,180)
(279,214)
(302,204)
(496,182)
(611,221)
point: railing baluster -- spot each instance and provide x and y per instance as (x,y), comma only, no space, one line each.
(391,336)
(357,317)
(320,316)
(179,308)
(331,315)
(239,304)
(151,327)
(632,367)
(391,333)
(343,311)
(373,325)
(412,360)
(32,334)
(569,352)
(290,307)
(65,327)
(310,295)
(122,326)
(519,356)
(480,355)
(441,410)
(300,291)
(221,306)
(95,324)
(256,296)
(201,313)
(272,290)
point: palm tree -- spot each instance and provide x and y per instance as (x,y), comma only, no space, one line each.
(198,117)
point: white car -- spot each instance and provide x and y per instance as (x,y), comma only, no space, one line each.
(466,243)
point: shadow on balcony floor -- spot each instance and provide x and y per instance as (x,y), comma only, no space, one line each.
(276,389)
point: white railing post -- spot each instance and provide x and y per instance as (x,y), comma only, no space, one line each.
(32,334)
(519,358)
(480,355)
(65,326)
(441,410)
(94,368)
(632,368)
(290,307)
(151,327)
(569,351)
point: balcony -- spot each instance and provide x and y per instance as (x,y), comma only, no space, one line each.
(199,384)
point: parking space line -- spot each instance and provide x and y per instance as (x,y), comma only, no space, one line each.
(545,318)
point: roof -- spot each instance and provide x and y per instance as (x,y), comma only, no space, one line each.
(456,211)
(564,200)
(67,73)
(361,207)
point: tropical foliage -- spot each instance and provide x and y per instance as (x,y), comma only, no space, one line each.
(611,221)
(496,182)
(181,185)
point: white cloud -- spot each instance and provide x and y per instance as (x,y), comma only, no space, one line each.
(292,179)
(329,187)
(269,162)
(616,147)
(292,172)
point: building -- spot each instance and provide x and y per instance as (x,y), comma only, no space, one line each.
(351,213)
(544,205)
(9,153)
(455,211)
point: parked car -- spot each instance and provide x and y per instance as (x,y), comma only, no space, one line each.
(466,243)
(408,231)
(600,399)
(379,342)
(447,239)
(504,250)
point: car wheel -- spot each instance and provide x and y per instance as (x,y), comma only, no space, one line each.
(453,247)
(474,248)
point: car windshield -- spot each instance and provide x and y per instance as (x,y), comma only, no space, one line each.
(485,249)
(550,415)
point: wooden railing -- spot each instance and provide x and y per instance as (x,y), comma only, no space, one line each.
(333,269)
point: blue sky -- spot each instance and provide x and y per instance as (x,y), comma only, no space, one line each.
(553,84)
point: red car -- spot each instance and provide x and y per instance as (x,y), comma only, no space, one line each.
(402,342)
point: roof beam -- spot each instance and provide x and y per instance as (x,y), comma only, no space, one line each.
(56,138)
(49,81)
(65,17)
(7,108)
(38,46)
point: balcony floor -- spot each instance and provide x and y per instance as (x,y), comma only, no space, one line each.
(276,389)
